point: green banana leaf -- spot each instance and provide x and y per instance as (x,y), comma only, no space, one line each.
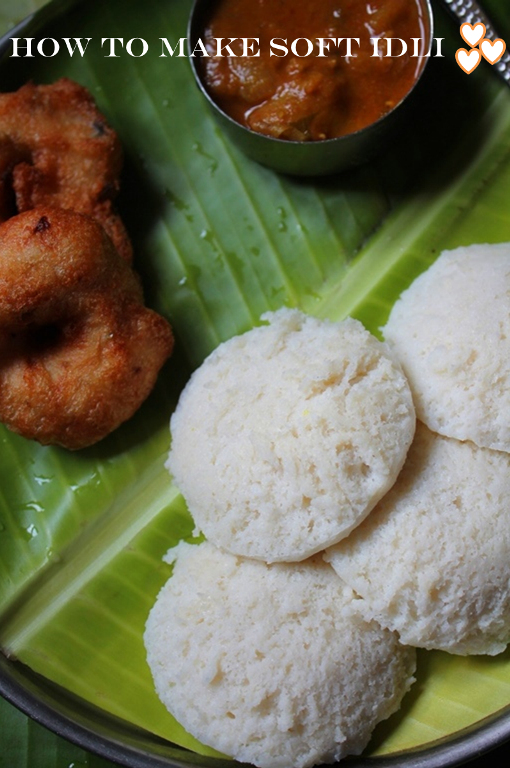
(218,241)
(14,11)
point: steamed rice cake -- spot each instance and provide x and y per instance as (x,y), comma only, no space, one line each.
(288,435)
(451,332)
(432,561)
(271,664)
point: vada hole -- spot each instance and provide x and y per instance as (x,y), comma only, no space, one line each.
(46,337)
(7,197)
(36,340)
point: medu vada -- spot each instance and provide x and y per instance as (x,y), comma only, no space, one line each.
(10,156)
(56,148)
(79,351)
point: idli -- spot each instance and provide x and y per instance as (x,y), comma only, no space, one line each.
(451,332)
(287,436)
(432,561)
(271,664)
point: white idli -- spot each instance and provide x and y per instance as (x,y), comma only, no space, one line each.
(432,561)
(287,436)
(451,332)
(271,664)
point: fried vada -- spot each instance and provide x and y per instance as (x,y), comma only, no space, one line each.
(57,149)
(10,155)
(79,351)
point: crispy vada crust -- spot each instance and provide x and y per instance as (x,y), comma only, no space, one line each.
(62,153)
(79,350)
(289,674)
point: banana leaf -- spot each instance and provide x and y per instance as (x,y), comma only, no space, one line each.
(14,11)
(218,241)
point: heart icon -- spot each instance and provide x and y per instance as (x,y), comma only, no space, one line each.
(493,51)
(468,61)
(472,33)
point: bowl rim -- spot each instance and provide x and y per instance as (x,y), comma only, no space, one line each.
(115,739)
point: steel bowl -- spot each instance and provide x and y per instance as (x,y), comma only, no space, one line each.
(305,158)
